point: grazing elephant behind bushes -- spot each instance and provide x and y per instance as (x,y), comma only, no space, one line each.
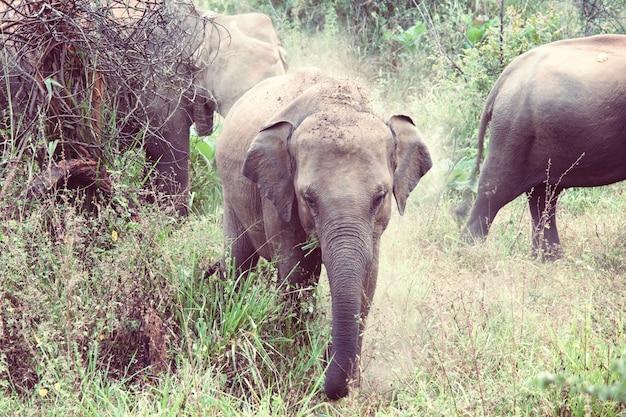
(236,52)
(247,51)
(229,55)
(558,120)
(157,68)
(303,156)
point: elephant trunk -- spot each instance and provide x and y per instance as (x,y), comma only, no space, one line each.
(346,259)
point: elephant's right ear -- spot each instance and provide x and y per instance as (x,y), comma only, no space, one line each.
(268,165)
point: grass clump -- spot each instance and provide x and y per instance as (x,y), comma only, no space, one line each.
(94,306)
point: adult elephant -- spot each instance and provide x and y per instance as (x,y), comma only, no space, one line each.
(151,69)
(222,56)
(558,120)
(246,50)
(301,157)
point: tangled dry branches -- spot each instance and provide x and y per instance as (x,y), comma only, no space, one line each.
(78,77)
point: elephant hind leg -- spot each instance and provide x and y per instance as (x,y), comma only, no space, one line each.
(478,224)
(488,203)
(542,201)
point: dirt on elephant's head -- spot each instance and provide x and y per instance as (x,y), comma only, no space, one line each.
(345,96)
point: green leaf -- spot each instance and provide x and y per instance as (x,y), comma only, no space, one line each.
(49,83)
(475,34)
(205,148)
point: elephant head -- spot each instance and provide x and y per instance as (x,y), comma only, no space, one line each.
(242,50)
(326,166)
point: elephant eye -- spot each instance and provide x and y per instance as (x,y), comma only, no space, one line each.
(379,198)
(310,202)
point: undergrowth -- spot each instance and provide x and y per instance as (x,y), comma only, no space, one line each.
(129,306)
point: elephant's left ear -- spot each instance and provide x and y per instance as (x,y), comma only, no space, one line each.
(268,165)
(412,159)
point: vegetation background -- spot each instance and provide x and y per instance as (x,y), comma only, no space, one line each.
(103,315)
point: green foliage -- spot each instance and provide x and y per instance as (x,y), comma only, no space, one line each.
(241,327)
(477,27)
(614,390)
(483,61)
(410,38)
(206,187)
(75,294)
(602,16)
(460,173)
(70,264)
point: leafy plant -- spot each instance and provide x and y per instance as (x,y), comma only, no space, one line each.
(409,38)
(613,390)
(460,173)
(206,187)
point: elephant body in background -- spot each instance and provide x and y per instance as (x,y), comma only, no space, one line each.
(230,55)
(156,68)
(247,50)
(302,157)
(558,120)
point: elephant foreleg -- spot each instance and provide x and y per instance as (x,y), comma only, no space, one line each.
(171,160)
(297,276)
(243,255)
(542,201)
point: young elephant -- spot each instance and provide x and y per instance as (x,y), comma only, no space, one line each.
(558,120)
(303,155)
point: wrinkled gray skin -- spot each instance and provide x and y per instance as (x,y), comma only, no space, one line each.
(231,61)
(304,155)
(558,120)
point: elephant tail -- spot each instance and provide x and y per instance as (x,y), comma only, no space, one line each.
(461,211)
(482,129)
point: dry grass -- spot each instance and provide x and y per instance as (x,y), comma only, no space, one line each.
(468,328)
